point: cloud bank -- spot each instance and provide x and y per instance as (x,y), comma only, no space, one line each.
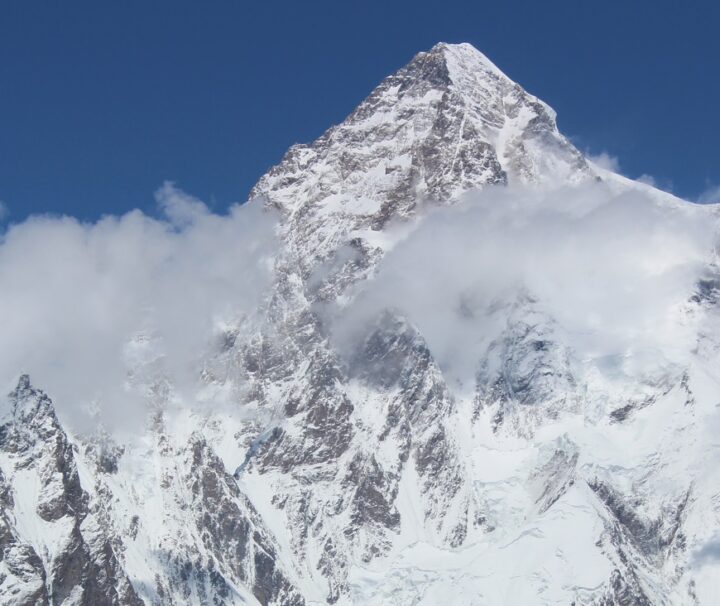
(93,312)
(614,270)
(86,305)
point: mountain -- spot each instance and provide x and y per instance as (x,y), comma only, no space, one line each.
(365,468)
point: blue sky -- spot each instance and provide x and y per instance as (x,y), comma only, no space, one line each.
(100,102)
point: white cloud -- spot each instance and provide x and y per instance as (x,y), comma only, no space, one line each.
(180,208)
(84,303)
(708,553)
(613,269)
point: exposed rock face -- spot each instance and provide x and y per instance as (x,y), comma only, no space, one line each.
(53,548)
(526,376)
(361,474)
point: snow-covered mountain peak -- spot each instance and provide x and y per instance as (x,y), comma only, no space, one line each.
(469,57)
(447,122)
(460,66)
(512,399)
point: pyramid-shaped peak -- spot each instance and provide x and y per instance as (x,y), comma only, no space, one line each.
(23,384)
(464,56)
(446,122)
(458,66)
(23,390)
(464,77)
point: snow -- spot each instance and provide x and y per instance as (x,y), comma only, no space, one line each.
(550,553)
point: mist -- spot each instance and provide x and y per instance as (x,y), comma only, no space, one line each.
(89,307)
(614,271)
(86,306)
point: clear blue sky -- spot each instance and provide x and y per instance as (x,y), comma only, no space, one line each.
(101,101)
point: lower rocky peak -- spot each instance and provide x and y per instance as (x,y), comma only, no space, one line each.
(73,561)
